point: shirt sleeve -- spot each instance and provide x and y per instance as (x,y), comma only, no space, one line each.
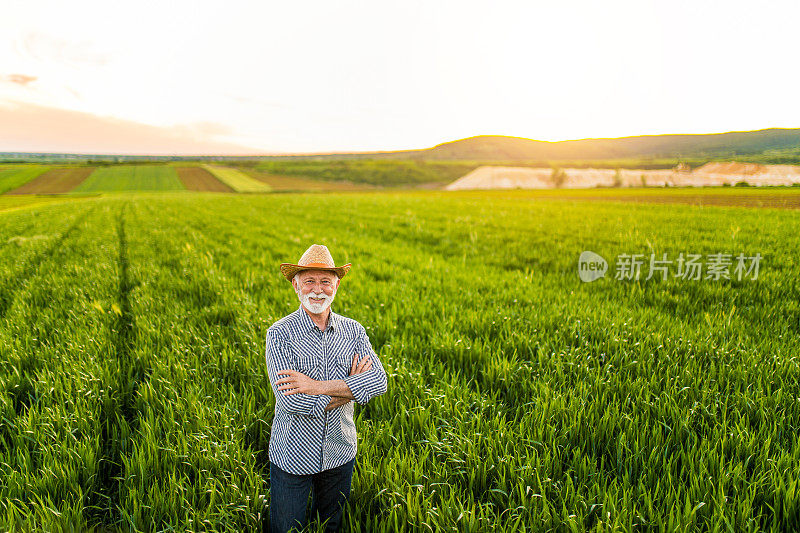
(367,385)
(279,358)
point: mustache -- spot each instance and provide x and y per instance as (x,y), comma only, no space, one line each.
(321,295)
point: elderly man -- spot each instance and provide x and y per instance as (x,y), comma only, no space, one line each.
(315,366)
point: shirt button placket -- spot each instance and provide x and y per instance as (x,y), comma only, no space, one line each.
(325,416)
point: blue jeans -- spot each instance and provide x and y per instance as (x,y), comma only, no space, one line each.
(289,497)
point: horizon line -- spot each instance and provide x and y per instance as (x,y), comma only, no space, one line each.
(381,152)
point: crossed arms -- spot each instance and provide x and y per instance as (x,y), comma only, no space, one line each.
(298,383)
(299,394)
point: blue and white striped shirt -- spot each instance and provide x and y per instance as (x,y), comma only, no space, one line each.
(306,439)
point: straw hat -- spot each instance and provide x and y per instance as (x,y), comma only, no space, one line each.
(317,257)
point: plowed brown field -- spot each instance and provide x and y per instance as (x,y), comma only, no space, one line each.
(199,179)
(56,180)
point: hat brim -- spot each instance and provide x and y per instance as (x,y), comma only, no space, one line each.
(290,269)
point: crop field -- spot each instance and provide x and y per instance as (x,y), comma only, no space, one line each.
(237,180)
(12,177)
(200,179)
(302,184)
(752,197)
(55,180)
(778,201)
(10,203)
(136,397)
(131,178)
(373,172)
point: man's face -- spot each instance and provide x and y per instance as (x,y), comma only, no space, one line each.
(316,289)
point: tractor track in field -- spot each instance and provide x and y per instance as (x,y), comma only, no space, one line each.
(119,417)
(8,291)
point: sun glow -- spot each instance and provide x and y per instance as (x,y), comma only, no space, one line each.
(258,77)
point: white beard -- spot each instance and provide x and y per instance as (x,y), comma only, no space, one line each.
(315,307)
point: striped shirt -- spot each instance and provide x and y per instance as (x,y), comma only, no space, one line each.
(306,439)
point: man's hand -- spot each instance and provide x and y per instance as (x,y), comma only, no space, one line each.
(357,367)
(297,382)
(360,366)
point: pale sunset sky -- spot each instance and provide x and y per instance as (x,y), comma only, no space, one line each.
(240,77)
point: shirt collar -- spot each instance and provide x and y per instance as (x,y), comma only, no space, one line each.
(307,324)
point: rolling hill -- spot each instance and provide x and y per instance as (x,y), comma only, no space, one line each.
(643,146)
(782,145)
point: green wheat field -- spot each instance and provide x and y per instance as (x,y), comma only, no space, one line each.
(136,397)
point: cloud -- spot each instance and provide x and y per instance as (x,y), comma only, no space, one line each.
(26,127)
(21,79)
